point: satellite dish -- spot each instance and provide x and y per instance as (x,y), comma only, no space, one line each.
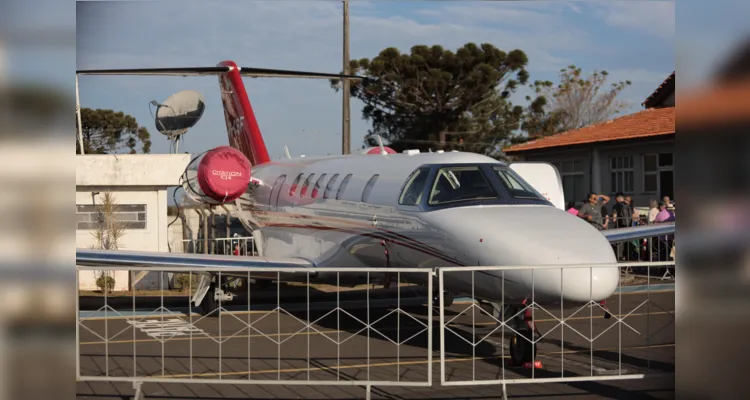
(179,112)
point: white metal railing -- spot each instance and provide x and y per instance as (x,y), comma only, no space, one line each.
(260,339)
(289,334)
(659,248)
(630,328)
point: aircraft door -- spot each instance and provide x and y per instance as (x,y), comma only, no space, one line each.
(545,178)
(275,191)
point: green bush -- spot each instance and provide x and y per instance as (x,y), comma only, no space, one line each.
(183,280)
(105,283)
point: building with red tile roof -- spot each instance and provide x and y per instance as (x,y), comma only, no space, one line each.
(633,154)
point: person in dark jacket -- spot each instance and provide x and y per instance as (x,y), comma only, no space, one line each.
(622,215)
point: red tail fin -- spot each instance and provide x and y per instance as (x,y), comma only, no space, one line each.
(242,127)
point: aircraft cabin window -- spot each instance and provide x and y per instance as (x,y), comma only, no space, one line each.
(342,187)
(293,188)
(460,183)
(329,186)
(516,186)
(412,193)
(306,185)
(318,183)
(368,188)
(276,185)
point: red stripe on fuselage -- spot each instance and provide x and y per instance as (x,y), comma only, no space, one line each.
(342,221)
(242,127)
(399,240)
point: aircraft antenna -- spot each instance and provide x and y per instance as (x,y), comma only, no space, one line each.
(382,148)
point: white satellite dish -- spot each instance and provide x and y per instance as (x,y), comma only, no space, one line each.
(180,112)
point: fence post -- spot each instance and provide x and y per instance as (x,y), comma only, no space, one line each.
(138,391)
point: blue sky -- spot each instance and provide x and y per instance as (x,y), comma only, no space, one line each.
(633,40)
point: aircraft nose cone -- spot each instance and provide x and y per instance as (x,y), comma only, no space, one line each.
(577,284)
(539,236)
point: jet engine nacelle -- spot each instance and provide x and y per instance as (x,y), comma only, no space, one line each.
(218,176)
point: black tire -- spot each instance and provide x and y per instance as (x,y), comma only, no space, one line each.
(209,305)
(521,348)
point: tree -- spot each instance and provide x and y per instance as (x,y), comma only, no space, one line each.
(107,235)
(576,101)
(414,97)
(487,126)
(108,131)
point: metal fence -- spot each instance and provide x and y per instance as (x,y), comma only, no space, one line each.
(583,341)
(263,337)
(306,333)
(646,250)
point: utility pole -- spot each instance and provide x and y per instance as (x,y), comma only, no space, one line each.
(345,126)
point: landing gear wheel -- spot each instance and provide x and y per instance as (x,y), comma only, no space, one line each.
(521,349)
(209,305)
(447,299)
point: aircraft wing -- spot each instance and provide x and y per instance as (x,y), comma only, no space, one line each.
(144,261)
(217,70)
(158,261)
(638,232)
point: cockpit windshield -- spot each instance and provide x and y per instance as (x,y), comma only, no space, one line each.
(515,185)
(452,185)
(460,183)
(412,192)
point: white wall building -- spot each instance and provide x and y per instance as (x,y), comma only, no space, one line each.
(139,183)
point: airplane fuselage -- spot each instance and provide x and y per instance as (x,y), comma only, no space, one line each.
(354,211)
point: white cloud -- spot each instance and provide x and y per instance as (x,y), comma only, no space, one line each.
(652,17)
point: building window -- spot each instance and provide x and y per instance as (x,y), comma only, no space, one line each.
(572,175)
(622,174)
(650,173)
(90,217)
(658,174)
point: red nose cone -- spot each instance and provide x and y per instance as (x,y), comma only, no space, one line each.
(224,174)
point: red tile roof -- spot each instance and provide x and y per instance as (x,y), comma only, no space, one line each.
(662,92)
(646,123)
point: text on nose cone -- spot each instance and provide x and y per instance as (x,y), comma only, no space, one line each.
(226,175)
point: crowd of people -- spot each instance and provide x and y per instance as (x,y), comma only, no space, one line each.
(623,213)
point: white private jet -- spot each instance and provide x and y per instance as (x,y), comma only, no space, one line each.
(378,208)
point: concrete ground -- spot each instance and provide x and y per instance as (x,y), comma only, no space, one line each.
(394,349)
